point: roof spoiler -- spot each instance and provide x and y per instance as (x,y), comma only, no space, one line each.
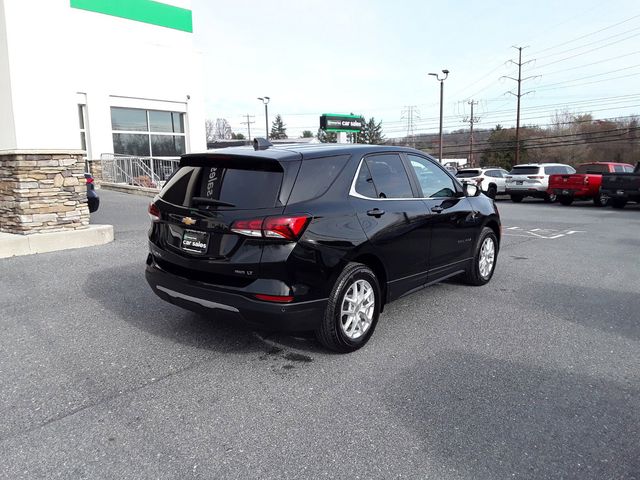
(261,143)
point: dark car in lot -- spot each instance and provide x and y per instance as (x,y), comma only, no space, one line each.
(315,237)
(93,200)
(621,187)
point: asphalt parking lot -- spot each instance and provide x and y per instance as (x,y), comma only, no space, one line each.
(536,375)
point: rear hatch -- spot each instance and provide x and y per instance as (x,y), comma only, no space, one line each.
(210,211)
(525,176)
(473,175)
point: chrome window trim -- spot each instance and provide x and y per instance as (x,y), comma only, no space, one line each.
(354,193)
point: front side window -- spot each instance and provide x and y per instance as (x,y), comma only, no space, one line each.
(434,182)
(389,176)
(148,133)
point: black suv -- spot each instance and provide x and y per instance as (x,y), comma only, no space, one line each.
(315,237)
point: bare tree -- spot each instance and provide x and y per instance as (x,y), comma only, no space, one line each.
(210,128)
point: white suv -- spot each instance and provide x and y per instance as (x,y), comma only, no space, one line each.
(532,180)
(491,180)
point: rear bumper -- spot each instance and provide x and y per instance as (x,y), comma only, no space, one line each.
(573,192)
(633,195)
(525,191)
(209,300)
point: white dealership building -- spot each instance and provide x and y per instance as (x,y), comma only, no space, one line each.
(104,76)
(83,80)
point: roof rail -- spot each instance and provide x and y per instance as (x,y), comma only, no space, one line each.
(261,143)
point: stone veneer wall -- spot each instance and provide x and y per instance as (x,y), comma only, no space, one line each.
(42,192)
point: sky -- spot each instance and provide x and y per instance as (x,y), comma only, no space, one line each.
(373,58)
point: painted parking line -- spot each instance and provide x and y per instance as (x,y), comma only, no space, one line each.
(542,233)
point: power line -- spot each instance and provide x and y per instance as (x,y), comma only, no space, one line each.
(408,114)
(248,124)
(471,119)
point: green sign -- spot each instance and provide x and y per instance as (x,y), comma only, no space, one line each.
(146,11)
(333,122)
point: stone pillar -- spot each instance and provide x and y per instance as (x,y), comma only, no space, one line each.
(42,192)
(95,168)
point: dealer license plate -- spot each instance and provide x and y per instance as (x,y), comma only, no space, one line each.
(195,242)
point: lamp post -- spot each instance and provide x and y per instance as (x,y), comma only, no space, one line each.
(265,100)
(441,80)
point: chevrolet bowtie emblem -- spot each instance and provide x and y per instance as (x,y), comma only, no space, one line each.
(188,221)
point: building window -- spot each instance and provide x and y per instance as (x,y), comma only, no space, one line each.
(147,133)
(83,129)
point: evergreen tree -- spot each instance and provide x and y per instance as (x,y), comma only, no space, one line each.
(278,129)
(327,137)
(237,136)
(371,133)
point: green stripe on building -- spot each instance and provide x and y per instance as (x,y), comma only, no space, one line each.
(146,11)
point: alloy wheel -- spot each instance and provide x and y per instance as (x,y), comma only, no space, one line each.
(356,313)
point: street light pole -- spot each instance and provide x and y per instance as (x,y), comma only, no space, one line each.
(265,100)
(441,80)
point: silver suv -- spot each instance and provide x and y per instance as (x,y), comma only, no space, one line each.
(491,180)
(532,180)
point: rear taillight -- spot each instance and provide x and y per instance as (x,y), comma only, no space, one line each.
(586,180)
(250,228)
(154,212)
(89,179)
(280,228)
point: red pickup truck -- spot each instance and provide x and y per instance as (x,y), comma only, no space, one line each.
(585,183)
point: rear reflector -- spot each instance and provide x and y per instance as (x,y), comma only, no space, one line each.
(275,298)
(281,228)
(154,212)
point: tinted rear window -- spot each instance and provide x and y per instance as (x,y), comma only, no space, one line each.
(592,169)
(467,173)
(524,170)
(246,189)
(558,169)
(316,176)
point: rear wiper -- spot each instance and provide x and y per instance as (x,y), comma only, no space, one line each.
(210,201)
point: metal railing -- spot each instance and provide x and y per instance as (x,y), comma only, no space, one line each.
(148,172)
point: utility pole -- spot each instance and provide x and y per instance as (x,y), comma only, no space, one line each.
(248,124)
(471,119)
(519,63)
(410,113)
(265,100)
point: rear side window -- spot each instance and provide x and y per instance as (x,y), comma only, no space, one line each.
(558,170)
(524,171)
(623,168)
(467,173)
(389,176)
(316,176)
(592,169)
(245,189)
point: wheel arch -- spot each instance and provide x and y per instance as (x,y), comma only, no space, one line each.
(376,265)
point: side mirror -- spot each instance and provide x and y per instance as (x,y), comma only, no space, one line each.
(470,189)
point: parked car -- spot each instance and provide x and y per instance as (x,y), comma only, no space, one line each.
(491,180)
(315,237)
(93,200)
(620,187)
(585,183)
(532,180)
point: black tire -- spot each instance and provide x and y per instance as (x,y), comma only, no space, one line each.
(618,202)
(599,201)
(330,332)
(492,192)
(549,197)
(473,276)
(565,200)
(516,198)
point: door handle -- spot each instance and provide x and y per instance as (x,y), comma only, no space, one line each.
(376,212)
(437,209)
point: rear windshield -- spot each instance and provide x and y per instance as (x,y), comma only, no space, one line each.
(524,170)
(245,189)
(467,173)
(592,169)
(558,169)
